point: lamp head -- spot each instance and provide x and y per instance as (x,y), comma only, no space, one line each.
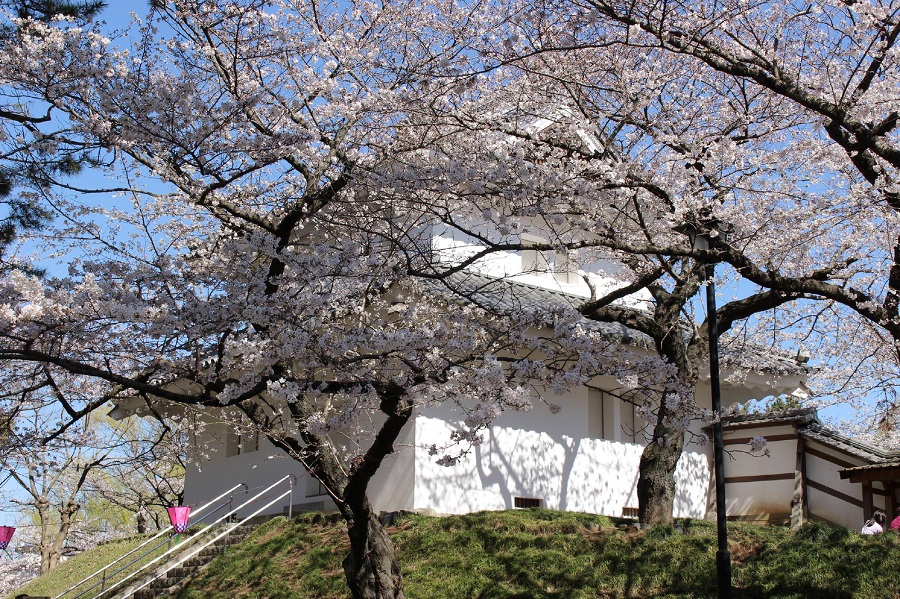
(703,229)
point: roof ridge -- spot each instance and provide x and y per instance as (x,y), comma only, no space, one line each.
(803,416)
(510,281)
(882,454)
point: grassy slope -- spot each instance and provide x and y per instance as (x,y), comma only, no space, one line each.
(542,553)
(77,568)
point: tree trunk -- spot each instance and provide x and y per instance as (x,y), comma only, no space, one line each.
(141,522)
(66,519)
(656,483)
(43,510)
(371,566)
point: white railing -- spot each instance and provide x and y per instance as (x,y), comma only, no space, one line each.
(203,546)
(290,479)
(104,571)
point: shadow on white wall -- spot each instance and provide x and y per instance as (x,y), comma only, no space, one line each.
(564,472)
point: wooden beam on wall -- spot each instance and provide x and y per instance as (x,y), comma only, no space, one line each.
(890,502)
(880,475)
(811,484)
(746,440)
(831,458)
(758,478)
(868,504)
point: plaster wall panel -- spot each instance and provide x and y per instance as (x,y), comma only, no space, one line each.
(781,459)
(257,470)
(561,471)
(760,498)
(830,497)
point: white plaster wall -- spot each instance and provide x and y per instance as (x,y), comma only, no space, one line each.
(515,459)
(561,459)
(757,498)
(209,477)
(744,498)
(761,497)
(392,486)
(781,459)
(693,477)
(832,508)
(545,456)
(390,489)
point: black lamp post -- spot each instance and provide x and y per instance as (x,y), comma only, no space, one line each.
(700,237)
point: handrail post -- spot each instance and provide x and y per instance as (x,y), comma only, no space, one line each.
(235,517)
(291,482)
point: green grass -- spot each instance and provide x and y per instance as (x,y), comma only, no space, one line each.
(81,566)
(541,553)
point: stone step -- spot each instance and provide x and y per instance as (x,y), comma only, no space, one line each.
(174,576)
(177,578)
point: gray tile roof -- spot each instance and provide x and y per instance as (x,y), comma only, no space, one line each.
(892,464)
(770,360)
(886,465)
(799,417)
(808,426)
(832,438)
(506,296)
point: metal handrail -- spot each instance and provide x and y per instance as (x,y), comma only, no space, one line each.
(209,542)
(102,582)
(148,541)
(197,536)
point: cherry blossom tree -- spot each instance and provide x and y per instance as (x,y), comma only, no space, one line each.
(14,573)
(263,272)
(52,467)
(48,10)
(811,123)
(694,120)
(305,151)
(776,123)
(570,154)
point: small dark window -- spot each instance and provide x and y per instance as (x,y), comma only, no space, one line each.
(526,502)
